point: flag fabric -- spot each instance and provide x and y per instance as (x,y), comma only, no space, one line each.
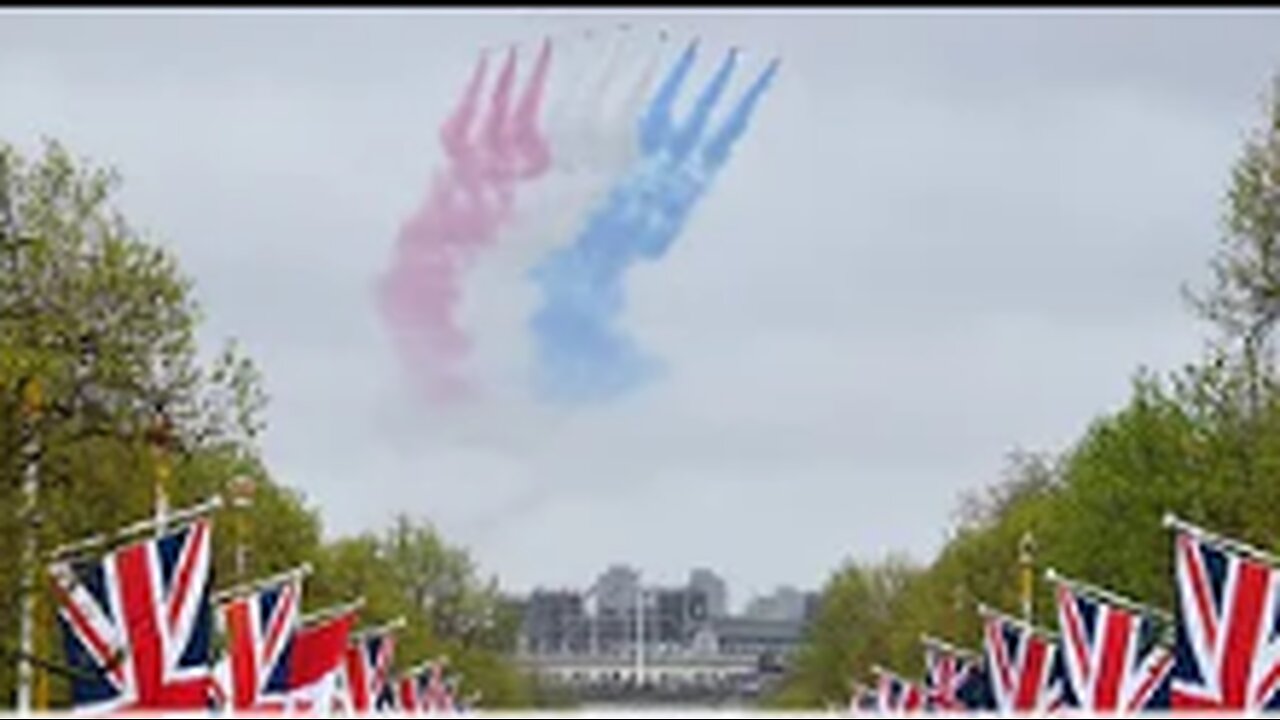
(467,704)
(896,695)
(410,688)
(260,629)
(439,695)
(975,692)
(862,699)
(368,672)
(948,672)
(1113,657)
(316,675)
(1227,647)
(138,621)
(451,701)
(1023,664)
(219,685)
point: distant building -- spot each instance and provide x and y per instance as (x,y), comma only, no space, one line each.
(554,623)
(615,590)
(714,588)
(786,603)
(589,640)
(753,636)
(677,614)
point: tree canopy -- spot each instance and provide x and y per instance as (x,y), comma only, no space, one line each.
(98,322)
(1202,442)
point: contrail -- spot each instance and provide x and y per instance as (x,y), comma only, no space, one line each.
(602,84)
(598,143)
(582,355)
(466,205)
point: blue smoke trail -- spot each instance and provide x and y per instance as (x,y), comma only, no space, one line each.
(656,125)
(582,355)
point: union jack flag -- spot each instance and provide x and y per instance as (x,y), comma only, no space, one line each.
(1113,657)
(260,631)
(862,699)
(976,694)
(440,695)
(1023,665)
(896,695)
(1227,648)
(137,623)
(411,688)
(369,672)
(317,665)
(948,674)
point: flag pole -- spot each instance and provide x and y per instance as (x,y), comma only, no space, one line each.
(1171,521)
(331,612)
(387,627)
(139,528)
(1108,596)
(943,645)
(989,612)
(415,669)
(441,660)
(245,588)
(882,671)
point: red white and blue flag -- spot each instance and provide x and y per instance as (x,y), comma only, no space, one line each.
(316,672)
(948,674)
(862,699)
(1023,666)
(440,693)
(1112,653)
(896,695)
(411,688)
(368,672)
(137,624)
(260,628)
(1227,647)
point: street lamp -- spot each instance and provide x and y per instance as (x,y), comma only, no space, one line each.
(32,397)
(959,593)
(642,607)
(1026,560)
(159,435)
(242,489)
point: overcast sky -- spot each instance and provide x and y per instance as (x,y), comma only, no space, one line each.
(946,236)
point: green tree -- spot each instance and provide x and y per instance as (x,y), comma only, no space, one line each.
(1203,443)
(106,321)
(851,632)
(409,572)
(1244,299)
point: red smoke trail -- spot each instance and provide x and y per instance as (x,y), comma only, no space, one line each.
(468,202)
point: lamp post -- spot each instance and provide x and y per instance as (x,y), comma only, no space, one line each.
(641,608)
(593,627)
(32,404)
(159,438)
(958,595)
(242,490)
(1026,562)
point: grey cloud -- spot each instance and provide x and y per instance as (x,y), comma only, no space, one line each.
(946,236)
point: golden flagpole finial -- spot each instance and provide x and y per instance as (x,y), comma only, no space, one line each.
(32,397)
